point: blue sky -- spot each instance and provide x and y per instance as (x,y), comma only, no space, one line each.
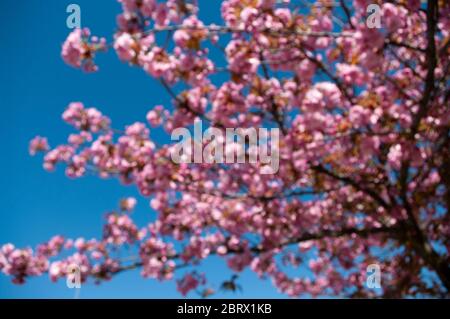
(35,88)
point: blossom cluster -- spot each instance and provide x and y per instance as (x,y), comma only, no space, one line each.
(80,48)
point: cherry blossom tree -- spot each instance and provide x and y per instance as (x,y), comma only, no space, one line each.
(364,174)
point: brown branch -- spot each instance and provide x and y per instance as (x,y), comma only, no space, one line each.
(404,45)
(227,29)
(418,239)
(370,192)
(324,69)
(362,232)
(258,249)
(347,13)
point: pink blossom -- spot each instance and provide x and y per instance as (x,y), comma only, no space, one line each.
(158,63)
(241,57)
(393,16)
(86,119)
(120,229)
(148,7)
(125,47)
(191,34)
(21,263)
(351,74)
(128,204)
(38,144)
(187,283)
(154,116)
(78,50)
(395,155)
